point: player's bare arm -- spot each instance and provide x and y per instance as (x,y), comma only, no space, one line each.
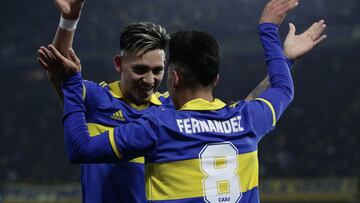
(63,40)
(295,46)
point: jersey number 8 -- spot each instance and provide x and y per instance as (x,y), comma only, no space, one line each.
(219,164)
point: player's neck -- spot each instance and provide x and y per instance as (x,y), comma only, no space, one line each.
(187,95)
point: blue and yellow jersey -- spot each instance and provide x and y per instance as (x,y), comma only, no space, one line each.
(106,108)
(204,152)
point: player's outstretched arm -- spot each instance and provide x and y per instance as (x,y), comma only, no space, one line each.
(274,12)
(272,102)
(295,46)
(133,139)
(80,147)
(70,13)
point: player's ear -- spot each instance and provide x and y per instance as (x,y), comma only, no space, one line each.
(175,78)
(117,63)
(215,81)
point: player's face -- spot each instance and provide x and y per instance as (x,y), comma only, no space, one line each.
(140,76)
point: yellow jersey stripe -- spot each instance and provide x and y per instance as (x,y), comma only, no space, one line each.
(140,160)
(96,129)
(171,180)
(234,104)
(165,94)
(103,84)
(83,92)
(271,108)
(113,144)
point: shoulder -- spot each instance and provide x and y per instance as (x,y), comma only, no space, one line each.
(236,104)
(94,90)
(88,84)
(164,98)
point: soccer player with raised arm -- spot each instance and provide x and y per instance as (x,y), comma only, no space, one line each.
(141,65)
(206,151)
(103,182)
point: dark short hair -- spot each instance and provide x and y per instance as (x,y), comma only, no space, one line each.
(142,37)
(196,55)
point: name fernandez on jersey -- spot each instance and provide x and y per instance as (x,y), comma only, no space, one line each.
(192,125)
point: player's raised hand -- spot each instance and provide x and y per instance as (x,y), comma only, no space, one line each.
(70,9)
(297,45)
(275,10)
(51,60)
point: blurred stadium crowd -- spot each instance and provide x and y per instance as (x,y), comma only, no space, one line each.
(319,135)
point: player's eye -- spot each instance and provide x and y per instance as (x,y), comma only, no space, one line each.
(158,70)
(140,69)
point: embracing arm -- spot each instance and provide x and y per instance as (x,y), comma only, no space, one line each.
(125,142)
(80,147)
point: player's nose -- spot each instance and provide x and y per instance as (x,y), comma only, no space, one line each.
(149,78)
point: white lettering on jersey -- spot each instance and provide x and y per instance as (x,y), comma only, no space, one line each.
(192,125)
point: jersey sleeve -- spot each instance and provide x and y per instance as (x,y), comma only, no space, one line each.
(130,140)
(136,138)
(289,62)
(90,95)
(80,147)
(266,110)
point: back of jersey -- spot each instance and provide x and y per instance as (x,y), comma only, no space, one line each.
(207,152)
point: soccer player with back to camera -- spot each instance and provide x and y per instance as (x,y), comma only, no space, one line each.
(123,111)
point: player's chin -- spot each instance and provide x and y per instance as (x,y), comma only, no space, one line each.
(144,100)
(145,96)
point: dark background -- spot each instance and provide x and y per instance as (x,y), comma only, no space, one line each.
(317,136)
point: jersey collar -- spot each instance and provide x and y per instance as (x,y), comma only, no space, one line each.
(115,90)
(202,104)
